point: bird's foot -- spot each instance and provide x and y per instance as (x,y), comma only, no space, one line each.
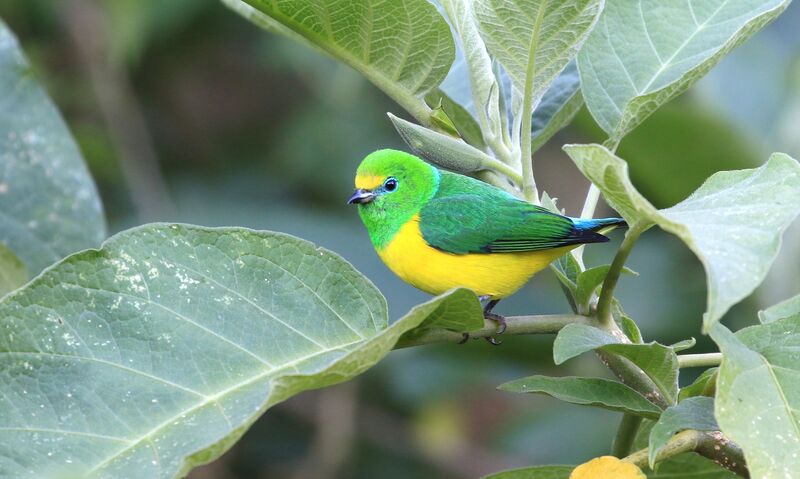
(500,320)
(501,327)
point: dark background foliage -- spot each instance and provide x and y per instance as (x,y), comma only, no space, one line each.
(186,112)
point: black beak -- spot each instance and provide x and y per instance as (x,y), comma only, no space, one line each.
(361,196)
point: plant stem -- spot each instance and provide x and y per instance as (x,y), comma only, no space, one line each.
(625,435)
(545,324)
(592,197)
(699,360)
(632,376)
(502,168)
(712,445)
(610,282)
(528,182)
(684,441)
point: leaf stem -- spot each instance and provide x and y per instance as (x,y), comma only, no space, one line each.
(610,282)
(544,324)
(626,434)
(528,182)
(699,360)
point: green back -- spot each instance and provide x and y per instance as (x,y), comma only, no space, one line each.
(469,216)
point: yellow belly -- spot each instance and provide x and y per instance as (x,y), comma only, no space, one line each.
(434,271)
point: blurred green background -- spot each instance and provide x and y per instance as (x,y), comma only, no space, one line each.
(186,112)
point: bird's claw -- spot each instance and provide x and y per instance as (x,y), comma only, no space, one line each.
(493,341)
(464,338)
(500,320)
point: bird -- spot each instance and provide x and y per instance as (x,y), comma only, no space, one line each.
(438,230)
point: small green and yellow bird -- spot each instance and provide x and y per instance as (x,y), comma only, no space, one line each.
(439,230)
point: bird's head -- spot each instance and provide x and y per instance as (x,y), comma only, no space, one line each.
(392,186)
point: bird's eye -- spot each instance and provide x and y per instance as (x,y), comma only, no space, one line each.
(390,184)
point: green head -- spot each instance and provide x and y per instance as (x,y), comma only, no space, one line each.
(391,187)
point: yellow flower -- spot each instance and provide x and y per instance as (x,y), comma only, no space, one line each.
(607,467)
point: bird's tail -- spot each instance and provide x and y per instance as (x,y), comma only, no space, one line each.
(599,225)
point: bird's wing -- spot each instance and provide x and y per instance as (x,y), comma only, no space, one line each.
(469,223)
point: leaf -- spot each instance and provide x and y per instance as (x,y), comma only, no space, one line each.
(693,413)
(596,392)
(12,272)
(447,152)
(465,124)
(404,47)
(683,345)
(758,394)
(477,82)
(733,222)
(535,36)
(631,329)
(559,105)
(49,206)
(700,385)
(607,467)
(156,353)
(784,309)
(659,362)
(690,465)
(535,472)
(590,280)
(640,56)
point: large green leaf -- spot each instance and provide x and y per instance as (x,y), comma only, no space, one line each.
(13,273)
(49,205)
(758,394)
(597,392)
(559,105)
(404,47)
(659,362)
(643,53)
(535,472)
(693,413)
(535,39)
(155,353)
(733,222)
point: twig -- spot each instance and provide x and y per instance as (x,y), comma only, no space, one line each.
(528,182)
(544,324)
(712,445)
(699,360)
(610,282)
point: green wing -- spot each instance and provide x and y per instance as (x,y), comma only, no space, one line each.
(472,217)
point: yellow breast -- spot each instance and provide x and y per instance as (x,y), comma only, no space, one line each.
(434,271)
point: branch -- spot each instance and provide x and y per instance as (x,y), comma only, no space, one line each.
(699,360)
(610,282)
(544,324)
(712,445)
(626,434)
